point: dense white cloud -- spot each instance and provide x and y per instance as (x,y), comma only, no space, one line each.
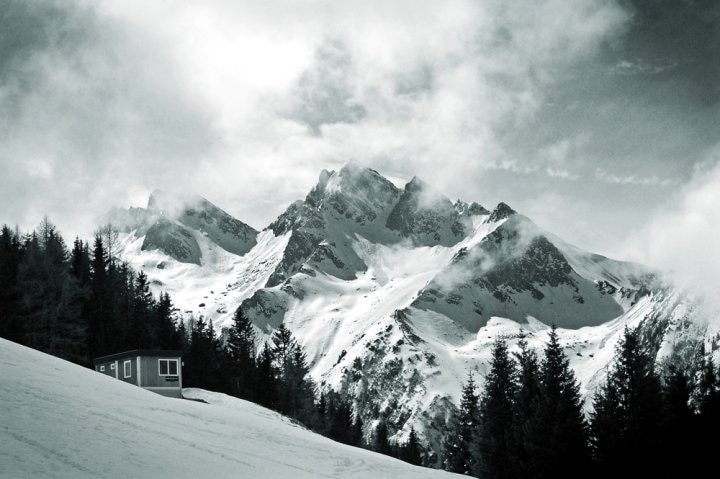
(683,239)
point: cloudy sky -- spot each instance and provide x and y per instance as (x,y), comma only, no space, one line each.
(599,119)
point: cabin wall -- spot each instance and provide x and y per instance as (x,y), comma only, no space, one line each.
(150,373)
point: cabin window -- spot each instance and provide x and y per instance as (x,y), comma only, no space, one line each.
(168,367)
(102,369)
(127,368)
(112,366)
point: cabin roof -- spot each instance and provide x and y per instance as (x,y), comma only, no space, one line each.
(139,352)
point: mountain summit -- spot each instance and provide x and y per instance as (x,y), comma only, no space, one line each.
(172,223)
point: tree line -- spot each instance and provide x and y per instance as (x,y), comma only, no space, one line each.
(77,303)
(528,420)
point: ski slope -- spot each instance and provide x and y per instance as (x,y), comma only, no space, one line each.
(60,420)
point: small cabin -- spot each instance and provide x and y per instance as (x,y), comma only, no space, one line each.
(159,371)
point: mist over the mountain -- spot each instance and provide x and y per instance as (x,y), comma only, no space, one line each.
(682,240)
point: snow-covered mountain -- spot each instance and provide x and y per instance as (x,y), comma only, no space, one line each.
(60,420)
(169,222)
(396,293)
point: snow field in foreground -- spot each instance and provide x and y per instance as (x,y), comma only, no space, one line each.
(60,420)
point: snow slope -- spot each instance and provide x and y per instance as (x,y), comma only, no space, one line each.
(60,420)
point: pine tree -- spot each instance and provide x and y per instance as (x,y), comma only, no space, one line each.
(561,449)
(98,305)
(167,335)
(525,431)
(411,451)
(382,443)
(295,392)
(626,422)
(80,262)
(267,383)
(11,324)
(356,432)
(495,413)
(458,445)
(241,352)
(142,332)
(679,425)
(339,418)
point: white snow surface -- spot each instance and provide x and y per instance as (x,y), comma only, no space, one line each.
(215,288)
(60,420)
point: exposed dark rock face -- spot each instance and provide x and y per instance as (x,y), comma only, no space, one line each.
(426,216)
(521,264)
(514,272)
(501,212)
(266,308)
(173,240)
(227,232)
(299,248)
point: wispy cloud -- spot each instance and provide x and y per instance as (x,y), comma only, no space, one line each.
(642,67)
(638,180)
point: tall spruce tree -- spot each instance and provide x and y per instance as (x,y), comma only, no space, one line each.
(411,451)
(267,384)
(339,418)
(296,391)
(382,442)
(99,304)
(143,332)
(11,254)
(680,432)
(241,351)
(458,444)
(562,448)
(626,421)
(525,431)
(167,334)
(80,262)
(492,454)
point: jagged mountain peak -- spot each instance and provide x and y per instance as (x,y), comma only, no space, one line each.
(176,223)
(426,216)
(364,183)
(416,183)
(173,204)
(501,212)
(470,209)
